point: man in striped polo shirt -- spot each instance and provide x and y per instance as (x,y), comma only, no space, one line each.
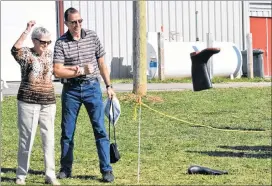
(78,60)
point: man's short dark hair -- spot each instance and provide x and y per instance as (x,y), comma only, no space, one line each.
(70,10)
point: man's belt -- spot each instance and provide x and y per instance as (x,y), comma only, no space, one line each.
(78,80)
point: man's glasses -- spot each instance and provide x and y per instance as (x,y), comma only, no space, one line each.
(75,22)
(43,42)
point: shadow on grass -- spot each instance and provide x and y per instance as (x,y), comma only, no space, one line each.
(5,179)
(11,181)
(13,170)
(242,129)
(86,177)
(251,148)
(232,128)
(89,178)
(265,152)
(30,171)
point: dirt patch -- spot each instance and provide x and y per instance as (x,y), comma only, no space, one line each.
(154,99)
(130,97)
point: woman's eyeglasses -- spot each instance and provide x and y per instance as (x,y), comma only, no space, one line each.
(75,22)
(43,42)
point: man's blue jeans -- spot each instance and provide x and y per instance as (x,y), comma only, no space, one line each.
(73,95)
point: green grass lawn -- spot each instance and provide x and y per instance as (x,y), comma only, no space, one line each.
(168,146)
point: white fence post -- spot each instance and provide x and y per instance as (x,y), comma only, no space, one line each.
(249,56)
(161,55)
(3,85)
(210,62)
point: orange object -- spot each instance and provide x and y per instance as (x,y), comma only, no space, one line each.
(260,27)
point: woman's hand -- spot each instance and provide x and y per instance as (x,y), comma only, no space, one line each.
(19,43)
(30,25)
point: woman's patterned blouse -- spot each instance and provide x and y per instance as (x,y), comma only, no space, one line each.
(36,76)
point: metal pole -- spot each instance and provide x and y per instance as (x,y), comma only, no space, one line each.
(197,39)
(210,62)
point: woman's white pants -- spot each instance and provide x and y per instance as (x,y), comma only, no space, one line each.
(29,116)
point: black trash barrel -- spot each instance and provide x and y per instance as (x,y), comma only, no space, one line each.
(258,68)
(200,75)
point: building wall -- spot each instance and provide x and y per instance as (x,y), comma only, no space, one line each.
(260,27)
(260,8)
(112,20)
(226,20)
(14,18)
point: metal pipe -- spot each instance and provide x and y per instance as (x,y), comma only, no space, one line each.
(60,19)
(197,39)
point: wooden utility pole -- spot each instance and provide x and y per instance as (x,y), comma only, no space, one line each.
(139,48)
(249,56)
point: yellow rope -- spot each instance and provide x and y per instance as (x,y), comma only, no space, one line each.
(192,124)
(135,111)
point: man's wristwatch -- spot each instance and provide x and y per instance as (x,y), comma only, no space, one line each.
(107,86)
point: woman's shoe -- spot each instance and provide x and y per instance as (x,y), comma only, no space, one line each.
(20,181)
(52,181)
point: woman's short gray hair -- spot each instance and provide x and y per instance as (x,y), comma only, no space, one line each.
(39,32)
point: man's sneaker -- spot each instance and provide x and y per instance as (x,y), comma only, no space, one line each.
(107,176)
(51,181)
(63,175)
(20,181)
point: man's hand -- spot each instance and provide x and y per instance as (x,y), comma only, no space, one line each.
(110,92)
(86,69)
(76,69)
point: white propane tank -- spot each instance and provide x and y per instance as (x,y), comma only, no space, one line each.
(177,61)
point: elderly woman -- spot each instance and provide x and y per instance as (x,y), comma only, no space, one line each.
(36,101)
